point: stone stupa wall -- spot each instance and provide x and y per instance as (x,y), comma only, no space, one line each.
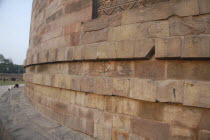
(140,70)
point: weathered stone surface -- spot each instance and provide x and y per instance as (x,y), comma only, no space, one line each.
(162,11)
(87,84)
(78,53)
(139,31)
(194,25)
(54,16)
(150,129)
(170,91)
(183,116)
(188,70)
(143,89)
(106,50)
(149,69)
(205,122)
(117,135)
(119,68)
(75,6)
(72,28)
(121,86)
(204,6)
(122,122)
(144,48)
(95,36)
(125,49)
(168,47)
(197,94)
(96,24)
(95,101)
(196,46)
(182,133)
(90,51)
(103,86)
(102,132)
(122,105)
(204,135)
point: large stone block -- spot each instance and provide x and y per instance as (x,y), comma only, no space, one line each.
(96,24)
(78,53)
(80,98)
(102,132)
(152,69)
(151,111)
(75,6)
(204,135)
(87,84)
(93,68)
(196,70)
(72,28)
(204,6)
(182,115)
(144,48)
(154,29)
(106,50)
(103,86)
(95,36)
(56,15)
(119,68)
(197,93)
(168,47)
(52,34)
(122,105)
(143,89)
(196,46)
(95,101)
(122,122)
(170,91)
(150,129)
(106,120)
(194,25)
(121,87)
(90,51)
(162,11)
(125,48)
(182,133)
(205,121)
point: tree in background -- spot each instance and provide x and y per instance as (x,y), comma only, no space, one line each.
(7,66)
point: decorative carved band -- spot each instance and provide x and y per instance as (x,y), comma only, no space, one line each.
(109,7)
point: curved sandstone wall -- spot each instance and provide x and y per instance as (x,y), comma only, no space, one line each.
(138,71)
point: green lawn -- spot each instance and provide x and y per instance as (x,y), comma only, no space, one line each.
(2,83)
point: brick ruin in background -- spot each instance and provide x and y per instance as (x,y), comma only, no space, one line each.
(139,71)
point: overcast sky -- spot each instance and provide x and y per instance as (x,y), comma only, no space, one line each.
(15,18)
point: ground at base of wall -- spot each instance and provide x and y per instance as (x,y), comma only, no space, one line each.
(20,121)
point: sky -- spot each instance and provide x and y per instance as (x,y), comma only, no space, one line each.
(15,16)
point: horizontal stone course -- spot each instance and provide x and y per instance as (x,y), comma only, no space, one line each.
(119,113)
(173,91)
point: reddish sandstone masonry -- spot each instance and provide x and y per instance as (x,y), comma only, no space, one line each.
(136,74)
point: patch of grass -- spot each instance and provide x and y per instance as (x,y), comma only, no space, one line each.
(2,83)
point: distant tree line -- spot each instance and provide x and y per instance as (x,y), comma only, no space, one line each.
(7,66)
